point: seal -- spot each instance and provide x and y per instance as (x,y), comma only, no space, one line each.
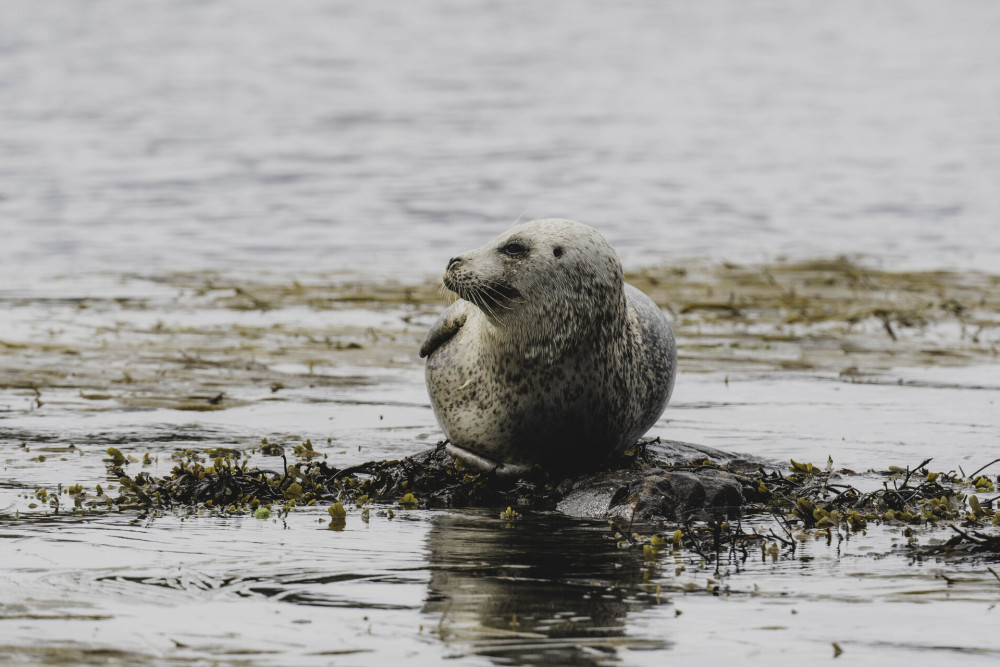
(549,357)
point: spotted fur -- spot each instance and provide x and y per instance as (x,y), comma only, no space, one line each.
(549,357)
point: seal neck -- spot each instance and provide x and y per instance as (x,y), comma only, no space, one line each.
(545,335)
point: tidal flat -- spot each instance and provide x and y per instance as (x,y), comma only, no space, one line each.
(863,373)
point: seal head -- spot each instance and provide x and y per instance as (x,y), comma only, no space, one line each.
(549,357)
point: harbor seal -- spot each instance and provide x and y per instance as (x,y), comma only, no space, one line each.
(549,357)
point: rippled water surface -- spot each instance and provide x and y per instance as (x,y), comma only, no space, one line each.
(276,135)
(250,200)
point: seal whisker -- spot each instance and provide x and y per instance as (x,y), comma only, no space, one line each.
(445,293)
(496,297)
(481,303)
(492,305)
(483,300)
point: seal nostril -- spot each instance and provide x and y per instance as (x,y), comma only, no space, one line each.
(453,261)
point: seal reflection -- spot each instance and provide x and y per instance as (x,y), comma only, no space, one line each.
(543,588)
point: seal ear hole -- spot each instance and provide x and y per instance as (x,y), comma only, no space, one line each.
(557,251)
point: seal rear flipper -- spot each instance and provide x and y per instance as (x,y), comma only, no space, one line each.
(446,326)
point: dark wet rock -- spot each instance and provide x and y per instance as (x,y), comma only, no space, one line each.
(675,452)
(671,480)
(656,495)
(655,481)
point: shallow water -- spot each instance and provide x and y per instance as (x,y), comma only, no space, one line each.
(246,200)
(427,585)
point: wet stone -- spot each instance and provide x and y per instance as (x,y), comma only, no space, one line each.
(670,481)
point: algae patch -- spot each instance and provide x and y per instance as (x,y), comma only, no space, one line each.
(826,315)
(723,508)
(215,342)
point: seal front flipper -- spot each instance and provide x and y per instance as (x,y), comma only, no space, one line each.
(446,326)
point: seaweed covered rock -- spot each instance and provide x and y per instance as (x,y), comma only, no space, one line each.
(718,502)
(658,480)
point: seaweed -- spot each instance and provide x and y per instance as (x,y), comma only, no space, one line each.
(808,501)
(941,514)
(229,484)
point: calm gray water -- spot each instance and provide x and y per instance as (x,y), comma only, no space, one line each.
(364,136)
(375,140)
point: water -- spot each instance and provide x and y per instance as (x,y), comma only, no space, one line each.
(154,157)
(260,135)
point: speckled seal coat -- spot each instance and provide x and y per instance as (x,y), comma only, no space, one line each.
(549,357)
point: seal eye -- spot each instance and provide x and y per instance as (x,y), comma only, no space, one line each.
(557,251)
(514,249)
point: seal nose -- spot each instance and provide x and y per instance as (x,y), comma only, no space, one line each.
(453,261)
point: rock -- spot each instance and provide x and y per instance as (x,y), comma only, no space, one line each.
(659,481)
(656,495)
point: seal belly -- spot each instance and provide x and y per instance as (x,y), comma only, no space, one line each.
(540,416)
(462,391)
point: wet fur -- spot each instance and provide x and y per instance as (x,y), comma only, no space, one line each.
(547,359)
